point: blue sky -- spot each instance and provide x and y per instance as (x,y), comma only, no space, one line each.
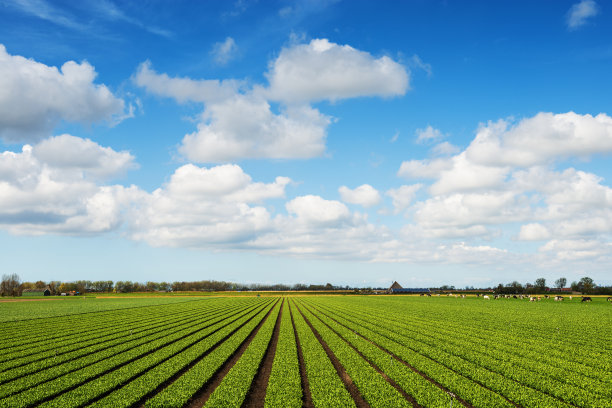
(428,142)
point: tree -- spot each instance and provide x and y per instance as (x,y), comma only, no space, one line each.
(586,285)
(540,284)
(560,283)
(10,285)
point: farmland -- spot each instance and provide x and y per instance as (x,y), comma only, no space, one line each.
(293,351)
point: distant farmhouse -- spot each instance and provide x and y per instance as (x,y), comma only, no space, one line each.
(397,288)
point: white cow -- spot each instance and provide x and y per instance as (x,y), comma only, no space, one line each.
(486,297)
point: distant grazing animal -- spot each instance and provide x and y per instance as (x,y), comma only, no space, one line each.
(558,298)
(532,299)
(570,298)
(421,294)
(514,296)
(609,299)
(463,297)
(586,299)
(429,294)
(546,296)
(486,297)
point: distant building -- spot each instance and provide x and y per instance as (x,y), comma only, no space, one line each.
(397,288)
(47,292)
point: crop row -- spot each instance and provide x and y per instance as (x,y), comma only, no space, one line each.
(64,331)
(185,387)
(116,358)
(591,393)
(284,385)
(235,385)
(54,353)
(144,375)
(475,384)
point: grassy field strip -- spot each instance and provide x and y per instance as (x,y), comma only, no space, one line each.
(199,376)
(325,386)
(235,385)
(54,353)
(146,374)
(515,338)
(66,330)
(101,349)
(586,392)
(424,392)
(514,391)
(77,306)
(371,385)
(87,372)
(284,385)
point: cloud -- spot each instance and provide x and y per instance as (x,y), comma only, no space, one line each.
(245,127)
(426,169)
(322,70)
(579,13)
(364,195)
(42,192)
(314,210)
(35,97)
(45,11)
(403,196)
(278,121)
(541,139)
(534,232)
(223,52)
(445,149)
(428,134)
(205,208)
(184,89)
(71,153)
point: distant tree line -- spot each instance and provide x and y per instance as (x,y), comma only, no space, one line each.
(11,285)
(585,285)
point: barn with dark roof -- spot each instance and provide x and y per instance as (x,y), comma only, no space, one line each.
(397,288)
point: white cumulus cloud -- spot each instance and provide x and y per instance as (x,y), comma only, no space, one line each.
(35,97)
(42,192)
(364,195)
(323,70)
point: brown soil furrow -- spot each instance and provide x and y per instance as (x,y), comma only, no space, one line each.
(346,379)
(306,396)
(200,398)
(396,357)
(374,366)
(257,393)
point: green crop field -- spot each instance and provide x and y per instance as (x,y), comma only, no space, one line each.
(321,351)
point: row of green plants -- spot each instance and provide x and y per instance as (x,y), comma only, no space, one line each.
(326,388)
(423,391)
(52,352)
(284,385)
(469,370)
(235,385)
(184,388)
(25,334)
(73,374)
(49,368)
(371,385)
(132,382)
